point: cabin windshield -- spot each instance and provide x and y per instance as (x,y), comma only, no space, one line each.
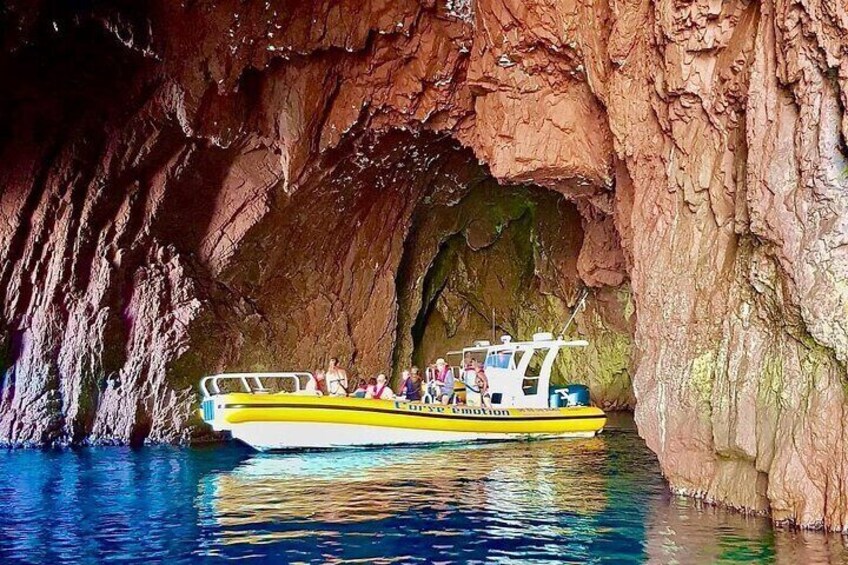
(501,359)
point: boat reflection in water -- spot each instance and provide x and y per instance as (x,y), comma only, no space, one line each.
(599,500)
(490,491)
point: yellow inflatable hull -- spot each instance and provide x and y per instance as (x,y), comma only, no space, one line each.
(285,421)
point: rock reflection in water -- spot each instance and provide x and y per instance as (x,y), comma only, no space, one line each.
(682,530)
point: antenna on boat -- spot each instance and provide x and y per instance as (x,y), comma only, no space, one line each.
(493,325)
(581,301)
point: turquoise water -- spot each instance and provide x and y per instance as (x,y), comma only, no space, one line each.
(583,501)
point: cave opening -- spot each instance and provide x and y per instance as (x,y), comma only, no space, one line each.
(486,278)
(498,259)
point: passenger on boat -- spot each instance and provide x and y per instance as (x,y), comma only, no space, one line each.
(481,382)
(361,389)
(317,384)
(412,388)
(444,381)
(381,389)
(404,377)
(469,373)
(369,390)
(336,378)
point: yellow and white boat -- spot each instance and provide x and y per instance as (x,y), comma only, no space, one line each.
(519,383)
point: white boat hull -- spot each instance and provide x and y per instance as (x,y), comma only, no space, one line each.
(273,436)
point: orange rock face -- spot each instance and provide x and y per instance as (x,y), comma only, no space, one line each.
(191,187)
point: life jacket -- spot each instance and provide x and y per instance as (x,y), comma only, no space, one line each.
(321,385)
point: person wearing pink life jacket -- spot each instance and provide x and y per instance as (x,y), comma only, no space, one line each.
(444,382)
(381,389)
(317,384)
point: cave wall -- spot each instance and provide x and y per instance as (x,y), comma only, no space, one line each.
(177,177)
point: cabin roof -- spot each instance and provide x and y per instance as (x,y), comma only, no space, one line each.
(535,344)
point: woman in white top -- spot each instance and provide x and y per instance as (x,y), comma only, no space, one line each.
(336,378)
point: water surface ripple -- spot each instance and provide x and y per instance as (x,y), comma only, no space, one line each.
(573,501)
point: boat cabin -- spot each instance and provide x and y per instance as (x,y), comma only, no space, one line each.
(519,372)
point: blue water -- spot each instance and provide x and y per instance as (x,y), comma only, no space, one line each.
(584,501)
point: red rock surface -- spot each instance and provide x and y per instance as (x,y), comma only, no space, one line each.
(195,186)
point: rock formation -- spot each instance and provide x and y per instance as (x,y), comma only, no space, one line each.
(198,186)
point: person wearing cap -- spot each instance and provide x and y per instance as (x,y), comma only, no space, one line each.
(444,381)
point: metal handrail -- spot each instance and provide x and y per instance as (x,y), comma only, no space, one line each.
(245,378)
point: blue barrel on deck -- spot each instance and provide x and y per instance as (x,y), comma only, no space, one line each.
(577,395)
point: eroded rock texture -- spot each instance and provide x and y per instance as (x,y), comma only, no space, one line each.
(195,186)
